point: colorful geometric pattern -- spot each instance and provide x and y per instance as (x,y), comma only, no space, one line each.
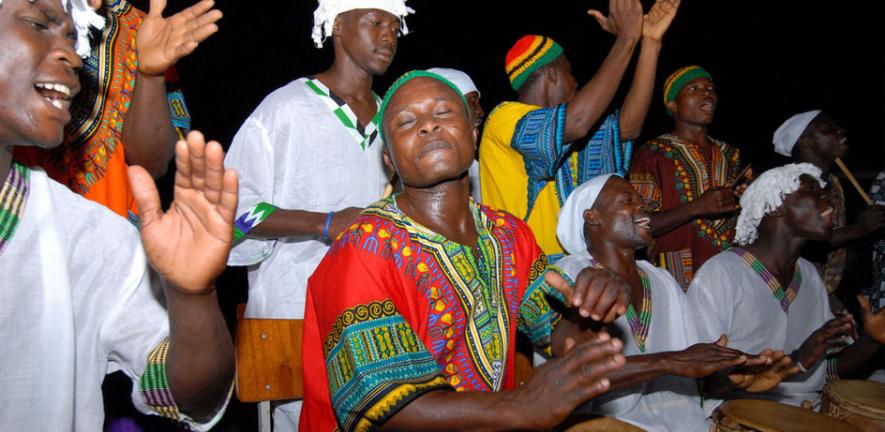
(13,197)
(536,316)
(371,347)
(364,136)
(784,296)
(251,218)
(679,79)
(527,55)
(538,138)
(154,385)
(694,175)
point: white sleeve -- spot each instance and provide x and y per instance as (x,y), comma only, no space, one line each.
(710,301)
(251,154)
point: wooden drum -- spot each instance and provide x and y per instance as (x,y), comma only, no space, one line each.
(861,403)
(747,415)
(599,424)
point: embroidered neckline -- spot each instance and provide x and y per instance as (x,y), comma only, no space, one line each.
(13,197)
(364,136)
(784,296)
(640,322)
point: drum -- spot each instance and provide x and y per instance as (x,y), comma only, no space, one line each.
(599,424)
(747,415)
(861,403)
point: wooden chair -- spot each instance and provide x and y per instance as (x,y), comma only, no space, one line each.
(268,362)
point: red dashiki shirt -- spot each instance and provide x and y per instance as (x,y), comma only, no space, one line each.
(395,310)
(670,172)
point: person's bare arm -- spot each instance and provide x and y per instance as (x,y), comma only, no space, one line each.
(549,396)
(869,221)
(188,246)
(160,42)
(288,223)
(635,106)
(592,100)
(712,202)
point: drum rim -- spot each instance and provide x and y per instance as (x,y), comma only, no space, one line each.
(737,403)
(849,405)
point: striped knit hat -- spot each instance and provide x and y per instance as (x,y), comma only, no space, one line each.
(527,55)
(679,79)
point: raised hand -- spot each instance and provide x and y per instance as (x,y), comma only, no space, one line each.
(873,323)
(658,19)
(700,360)
(624,19)
(561,384)
(832,334)
(161,42)
(188,245)
(764,377)
(598,294)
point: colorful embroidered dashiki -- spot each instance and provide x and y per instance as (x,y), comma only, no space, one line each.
(396,310)
(876,292)
(77,303)
(667,403)
(92,159)
(735,295)
(526,169)
(670,172)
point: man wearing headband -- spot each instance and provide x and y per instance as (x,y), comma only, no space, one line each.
(814,137)
(601,225)
(528,165)
(471,93)
(686,175)
(130,110)
(761,293)
(80,302)
(309,159)
(412,316)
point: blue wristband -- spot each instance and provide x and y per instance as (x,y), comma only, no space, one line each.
(326,229)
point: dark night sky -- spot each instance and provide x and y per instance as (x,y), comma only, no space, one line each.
(769,59)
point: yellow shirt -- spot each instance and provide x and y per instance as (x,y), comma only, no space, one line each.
(504,181)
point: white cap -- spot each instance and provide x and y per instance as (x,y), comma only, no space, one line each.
(570,227)
(458,78)
(324,15)
(786,136)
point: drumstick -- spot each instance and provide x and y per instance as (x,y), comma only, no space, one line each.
(737,178)
(854,182)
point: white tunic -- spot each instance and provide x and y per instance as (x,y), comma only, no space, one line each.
(76,303)
(294,153)
(667,403)
(728,297)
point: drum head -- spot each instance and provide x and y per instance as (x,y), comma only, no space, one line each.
(598,424)
(862,397)
(768,416)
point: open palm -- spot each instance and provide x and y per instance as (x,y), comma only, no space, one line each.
(188,244)
(161,42)
(658,19)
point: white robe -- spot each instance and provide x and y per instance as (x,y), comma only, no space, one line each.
(667,403)
(294,153)
(76,303)
(728,297)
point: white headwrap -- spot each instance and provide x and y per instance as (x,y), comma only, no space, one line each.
(84,17)
(324,16)
(570,228)
(766,194)
(787,134)
(458,78)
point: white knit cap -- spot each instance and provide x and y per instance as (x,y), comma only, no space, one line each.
(786,136)
(458,78)
(766,194)
(324,16)
(570,227)
(84,17)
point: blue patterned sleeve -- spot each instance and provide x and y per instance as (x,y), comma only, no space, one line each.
(538,137)
(539,311)
(181,117)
